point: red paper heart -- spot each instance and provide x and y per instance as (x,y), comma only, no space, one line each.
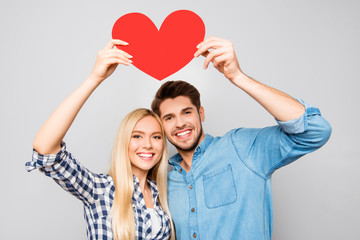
(160,53)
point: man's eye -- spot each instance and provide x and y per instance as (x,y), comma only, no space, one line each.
(168,118)
(187,112)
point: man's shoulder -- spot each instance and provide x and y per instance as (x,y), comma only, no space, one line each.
(224,140)
(237,136)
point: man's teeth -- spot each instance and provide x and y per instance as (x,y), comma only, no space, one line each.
(183,133)
(145,155)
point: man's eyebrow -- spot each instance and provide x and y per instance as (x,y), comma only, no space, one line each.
(188,108)
(182,110)
(167,115)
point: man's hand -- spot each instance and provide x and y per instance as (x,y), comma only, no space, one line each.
(221,53)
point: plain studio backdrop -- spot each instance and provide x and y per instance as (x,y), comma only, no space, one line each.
(308,49)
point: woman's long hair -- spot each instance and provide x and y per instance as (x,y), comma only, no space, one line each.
(123,222)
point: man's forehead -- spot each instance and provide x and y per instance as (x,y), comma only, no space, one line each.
(173,105)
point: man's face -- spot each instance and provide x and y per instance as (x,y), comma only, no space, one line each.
(182,122)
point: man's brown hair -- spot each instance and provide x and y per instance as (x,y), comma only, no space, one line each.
(173,89)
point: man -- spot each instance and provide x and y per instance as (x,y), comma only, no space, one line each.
(220,188)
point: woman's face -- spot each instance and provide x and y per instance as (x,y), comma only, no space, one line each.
(146,145)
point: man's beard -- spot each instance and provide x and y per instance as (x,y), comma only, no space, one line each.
(193,146)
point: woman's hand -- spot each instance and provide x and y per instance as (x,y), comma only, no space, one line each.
(48,139)
(108,59)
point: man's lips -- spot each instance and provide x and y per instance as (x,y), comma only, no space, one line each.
(183,133)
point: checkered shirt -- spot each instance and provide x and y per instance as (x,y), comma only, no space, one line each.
(96,191)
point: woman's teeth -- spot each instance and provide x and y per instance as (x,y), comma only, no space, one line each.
(146,155)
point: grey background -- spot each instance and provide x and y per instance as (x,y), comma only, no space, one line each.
(309,49)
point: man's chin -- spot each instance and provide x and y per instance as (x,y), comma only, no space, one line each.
(184,147)
(188,146)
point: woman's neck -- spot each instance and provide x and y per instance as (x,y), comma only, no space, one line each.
(146,191)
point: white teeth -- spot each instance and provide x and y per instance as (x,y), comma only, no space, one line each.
(183,133)
(145,155)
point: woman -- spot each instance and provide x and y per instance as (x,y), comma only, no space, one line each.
(127,203)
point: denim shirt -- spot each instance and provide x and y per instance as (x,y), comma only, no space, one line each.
(227,192)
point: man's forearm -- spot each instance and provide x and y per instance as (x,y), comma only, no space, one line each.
(282,106)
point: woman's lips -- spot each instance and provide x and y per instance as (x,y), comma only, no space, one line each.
(146,156)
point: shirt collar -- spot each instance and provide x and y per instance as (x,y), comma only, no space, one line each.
(200,149)
(138,196)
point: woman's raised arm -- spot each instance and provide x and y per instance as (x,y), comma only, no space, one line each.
(51,134)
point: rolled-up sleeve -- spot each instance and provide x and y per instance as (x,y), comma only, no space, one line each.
(270,148)
(70,174)
(310,129)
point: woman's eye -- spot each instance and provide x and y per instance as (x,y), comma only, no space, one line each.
(157,137)
(136,136)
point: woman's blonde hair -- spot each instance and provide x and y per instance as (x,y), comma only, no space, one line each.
(123,222)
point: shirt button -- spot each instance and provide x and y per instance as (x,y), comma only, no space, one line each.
(180,170)
(194,235)
(193,210)
(190,187)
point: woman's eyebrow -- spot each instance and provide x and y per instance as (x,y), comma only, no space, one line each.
(138,131)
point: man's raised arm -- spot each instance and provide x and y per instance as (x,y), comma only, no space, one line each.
(221,53)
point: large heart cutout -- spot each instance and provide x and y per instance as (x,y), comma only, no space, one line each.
(160,53)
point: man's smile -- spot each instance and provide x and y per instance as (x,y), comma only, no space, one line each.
(183,134)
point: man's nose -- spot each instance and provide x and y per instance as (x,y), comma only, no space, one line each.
(180,122)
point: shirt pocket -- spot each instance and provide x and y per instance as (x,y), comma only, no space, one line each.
(219,187)
(100,209)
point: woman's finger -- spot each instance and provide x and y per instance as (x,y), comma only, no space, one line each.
(115,60)
(114,42)
(116,53)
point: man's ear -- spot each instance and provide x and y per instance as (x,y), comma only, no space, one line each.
(202,114)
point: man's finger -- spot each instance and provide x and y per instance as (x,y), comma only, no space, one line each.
(211,55)
(206,46)
(205,54)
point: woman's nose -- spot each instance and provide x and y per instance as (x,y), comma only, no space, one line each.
(147,143)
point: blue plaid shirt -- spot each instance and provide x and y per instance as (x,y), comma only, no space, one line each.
(96,191)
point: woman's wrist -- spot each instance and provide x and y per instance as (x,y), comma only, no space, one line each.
(94,79)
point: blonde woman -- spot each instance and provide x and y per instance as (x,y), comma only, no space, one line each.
(130,202)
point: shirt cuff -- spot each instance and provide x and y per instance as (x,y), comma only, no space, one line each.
(299,125)
(40,161)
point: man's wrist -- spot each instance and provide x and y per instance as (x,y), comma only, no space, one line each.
(239,79)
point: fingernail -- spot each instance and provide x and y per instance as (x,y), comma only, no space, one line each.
(198,45)
(122,42)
